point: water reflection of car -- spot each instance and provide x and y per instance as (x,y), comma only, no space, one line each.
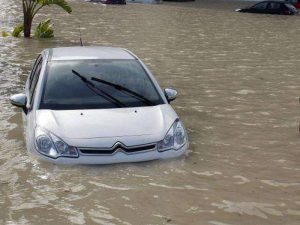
(271,7)
(98,105)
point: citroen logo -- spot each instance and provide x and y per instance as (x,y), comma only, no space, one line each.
(119,146)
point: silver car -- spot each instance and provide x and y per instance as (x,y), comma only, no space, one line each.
(98,105)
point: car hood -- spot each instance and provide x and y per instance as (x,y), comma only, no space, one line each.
(119,123)
(242,9)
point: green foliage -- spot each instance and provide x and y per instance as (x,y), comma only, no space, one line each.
(17,30)
(4,34)
(32,7)
(44,29)
(62,3)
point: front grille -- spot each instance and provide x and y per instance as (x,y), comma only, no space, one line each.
(116,148)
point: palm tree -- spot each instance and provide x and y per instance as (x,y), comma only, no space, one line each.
(31,8)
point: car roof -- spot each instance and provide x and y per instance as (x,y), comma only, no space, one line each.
(274,1)
(270,1)
(88,52)
(277,1)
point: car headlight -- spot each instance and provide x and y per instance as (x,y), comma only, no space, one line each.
(50,145)
(175,138)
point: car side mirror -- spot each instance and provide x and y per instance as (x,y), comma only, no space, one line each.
(170,94)
(19,100)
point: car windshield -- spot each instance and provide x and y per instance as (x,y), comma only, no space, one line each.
(291,7)
(97,84)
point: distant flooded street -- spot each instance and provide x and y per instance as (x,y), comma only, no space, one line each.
(238,78)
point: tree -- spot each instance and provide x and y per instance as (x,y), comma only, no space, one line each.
(31,8)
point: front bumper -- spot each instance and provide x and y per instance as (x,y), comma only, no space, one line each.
(119,157)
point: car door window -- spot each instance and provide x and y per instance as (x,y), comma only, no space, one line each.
(261,6)
(34,79)
(33,70)
(274,6)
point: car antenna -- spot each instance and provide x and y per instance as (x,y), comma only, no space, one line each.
(80,35)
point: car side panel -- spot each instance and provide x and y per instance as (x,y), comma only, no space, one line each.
(256,9)
(30,117)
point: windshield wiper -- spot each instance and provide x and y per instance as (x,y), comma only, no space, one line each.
(98,91)
(125,90)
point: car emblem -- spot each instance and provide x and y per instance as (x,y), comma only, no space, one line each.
(118,146)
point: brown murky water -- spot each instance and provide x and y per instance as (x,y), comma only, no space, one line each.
(238,79)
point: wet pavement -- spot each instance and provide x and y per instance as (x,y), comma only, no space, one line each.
(238,79)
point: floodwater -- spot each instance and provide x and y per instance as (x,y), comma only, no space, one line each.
(238,79)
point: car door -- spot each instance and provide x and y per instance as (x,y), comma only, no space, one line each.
(259,8)
(274,8)
(31,85)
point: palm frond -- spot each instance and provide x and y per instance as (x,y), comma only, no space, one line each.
(61,3)
(17,30)
(44,29)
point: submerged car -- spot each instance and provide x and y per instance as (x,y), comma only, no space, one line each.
(98,105)
(271,7)
(112,2)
